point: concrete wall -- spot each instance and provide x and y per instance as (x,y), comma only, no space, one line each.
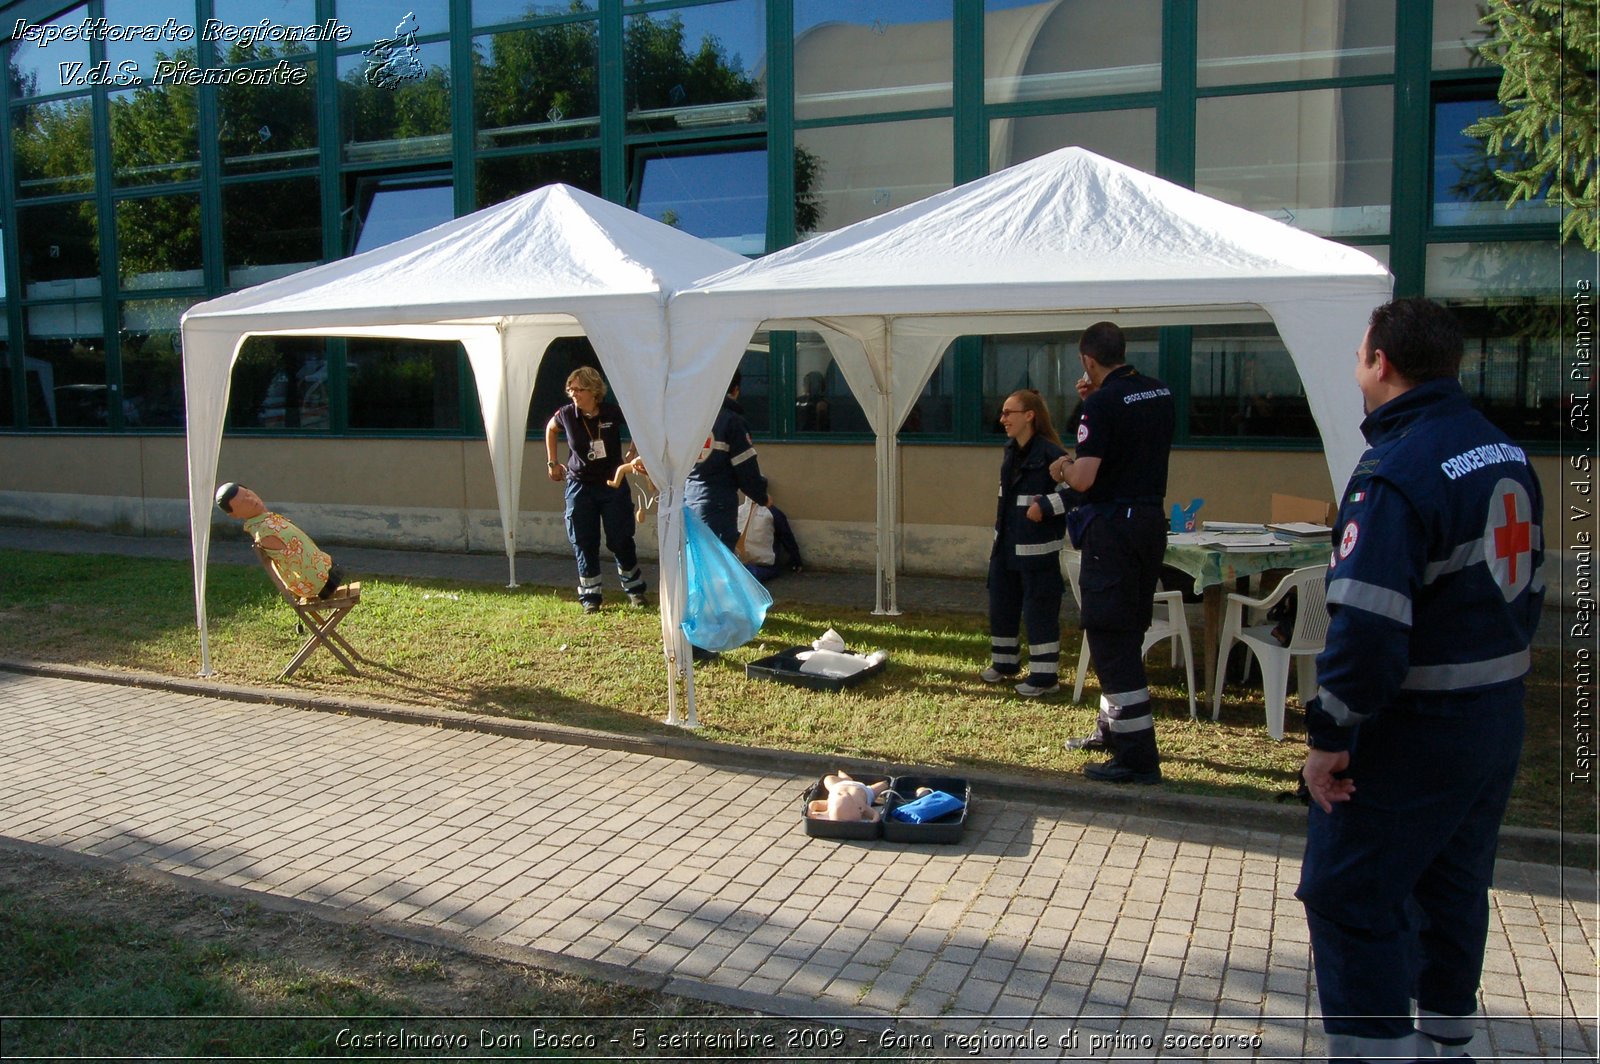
(439,494)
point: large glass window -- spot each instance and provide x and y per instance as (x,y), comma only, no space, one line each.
(173,18)
(695,67)
(270,228)
(1243,382)
(1319,160)
(399,112)
(383,20)
(1051,50)
(862,171)
(498,12)
(1125,136)
(60,245)
(503,177)
(1049,363)
(1465,188)
(52,147)
(537,85)
(404,384)
(152,363)
(825,403)
(1249,42)
(158,242)
(867,57)
(1510,300)
(268,127)
(7,408)
(36,68)
(64,353)
(1457,33)
(155,135)
(280,382)
(390,209)
(720,197)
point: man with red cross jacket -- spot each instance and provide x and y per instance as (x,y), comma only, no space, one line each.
(1434,591)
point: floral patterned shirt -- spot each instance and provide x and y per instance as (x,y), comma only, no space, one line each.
(302,566)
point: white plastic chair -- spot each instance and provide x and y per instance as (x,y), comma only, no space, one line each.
(1305,642)
(1169,623)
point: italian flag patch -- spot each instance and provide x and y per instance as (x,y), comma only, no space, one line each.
(1357,496)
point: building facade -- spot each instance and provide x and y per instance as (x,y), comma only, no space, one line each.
(157,153)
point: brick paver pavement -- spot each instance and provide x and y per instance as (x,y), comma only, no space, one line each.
(1099,935)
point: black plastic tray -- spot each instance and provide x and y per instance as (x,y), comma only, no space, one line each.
(946,829)
(784,667)
(842,829)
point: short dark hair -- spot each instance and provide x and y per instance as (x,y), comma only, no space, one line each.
(738,375)
(1419,337)
(1104,343)
(225,496)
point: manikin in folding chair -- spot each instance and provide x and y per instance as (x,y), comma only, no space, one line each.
(1168,623)
(1305,642)
(321,617)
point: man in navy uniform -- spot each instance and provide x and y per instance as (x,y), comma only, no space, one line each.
(1434,590)
(727,465)
(1124,441)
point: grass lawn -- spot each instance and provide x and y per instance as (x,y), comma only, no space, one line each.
(530,654)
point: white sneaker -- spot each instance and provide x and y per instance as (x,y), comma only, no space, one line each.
(1027,690)
(990,675)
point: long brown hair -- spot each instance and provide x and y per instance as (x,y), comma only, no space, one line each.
(1034,402)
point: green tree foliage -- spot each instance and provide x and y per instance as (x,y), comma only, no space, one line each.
(1545,137)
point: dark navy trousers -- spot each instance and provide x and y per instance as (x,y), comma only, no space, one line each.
(591,508)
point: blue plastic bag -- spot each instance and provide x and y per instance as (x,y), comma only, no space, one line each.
(928,807)
(726,605)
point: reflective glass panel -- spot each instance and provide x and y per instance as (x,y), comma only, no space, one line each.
(7,408)
(861,171)
(501,178)
(1512,300)
(158,242)
(1049,363)
(162,31)
(404,384)
(755,385)
(36,66)
(152,363)
(1248,42)
(1242,382)
(52,147)
(719,197)
(270,229)
(1456,33)
(60,247)
(155,135)
(825,403)
(395,210)
(868,57)
(1125,136)
(538,85)
(1318,160)
(1465,188)
(496,12)
(695,67)
(64,355)
(280,382)
(399,110)
(236,35)
(1047,51)
(373,21)
(268,127)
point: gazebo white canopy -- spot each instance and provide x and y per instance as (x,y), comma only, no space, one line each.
(504,281)
(1052,244)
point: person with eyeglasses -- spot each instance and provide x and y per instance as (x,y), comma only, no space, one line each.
(1025,584)
(593,429)
(1124,442)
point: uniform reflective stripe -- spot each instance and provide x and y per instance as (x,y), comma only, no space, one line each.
(1004,641)
(1408,1046)
(1030,549)
(718,445)
(589,581)
(743,456)
(1446,1030)
(1143,722)
(1057,506)
(1342,714)
(1124,698)
(1374,598)
(1467,674)
(1463,556)
(998,658)
(1042,668)
(1045,648)
(1024,500)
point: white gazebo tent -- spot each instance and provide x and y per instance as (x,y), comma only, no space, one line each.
(1052,244)
(504,281)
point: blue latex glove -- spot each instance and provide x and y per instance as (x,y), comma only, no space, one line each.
(928,807)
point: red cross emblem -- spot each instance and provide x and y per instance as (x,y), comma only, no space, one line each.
(1508,538)
(1347,542)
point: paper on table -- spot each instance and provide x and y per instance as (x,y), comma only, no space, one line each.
(1235,526)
